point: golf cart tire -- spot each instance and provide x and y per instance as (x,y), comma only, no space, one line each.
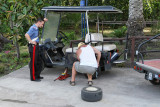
(154,82)
(49,66)
(91,94)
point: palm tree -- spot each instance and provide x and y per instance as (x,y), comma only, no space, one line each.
(136,22)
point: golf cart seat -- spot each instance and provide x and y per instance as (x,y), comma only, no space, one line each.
(106,48)
(98,37)
(69,50)
(94,38)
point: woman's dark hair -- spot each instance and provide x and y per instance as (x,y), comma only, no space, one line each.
(39,19)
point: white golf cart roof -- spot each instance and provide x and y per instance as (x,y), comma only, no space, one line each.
(108,9)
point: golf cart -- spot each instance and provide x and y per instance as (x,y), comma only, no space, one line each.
(51,45)
(150,67)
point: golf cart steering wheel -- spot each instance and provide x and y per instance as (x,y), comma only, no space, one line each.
(61,36)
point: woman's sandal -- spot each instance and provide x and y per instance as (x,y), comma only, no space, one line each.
(72,83)
(90,83)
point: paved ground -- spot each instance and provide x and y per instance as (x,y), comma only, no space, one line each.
(122,87)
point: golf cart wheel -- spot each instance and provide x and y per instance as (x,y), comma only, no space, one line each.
(96,74)
(155,82)
(91,94)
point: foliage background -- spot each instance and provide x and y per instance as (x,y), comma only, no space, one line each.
(16,16)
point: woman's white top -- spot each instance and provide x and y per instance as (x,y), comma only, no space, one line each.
(87,57)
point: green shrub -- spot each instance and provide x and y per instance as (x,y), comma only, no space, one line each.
(71,36)
(25,54)
(18,66)
(156,28)
(2,69)
(15,59)
(8,46)
(110,35)
(9,62)
(1,56)
(12,66)
(9,55)
(4,60)
(120,32)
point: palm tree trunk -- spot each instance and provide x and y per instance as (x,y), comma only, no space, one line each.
(136,22)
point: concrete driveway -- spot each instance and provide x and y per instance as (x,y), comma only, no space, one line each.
(122,87)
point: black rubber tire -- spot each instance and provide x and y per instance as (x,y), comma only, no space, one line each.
(49,66)
(91,96)
(154,82)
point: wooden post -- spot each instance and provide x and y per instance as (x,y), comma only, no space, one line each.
(132,49)
(70,44)
(96,27)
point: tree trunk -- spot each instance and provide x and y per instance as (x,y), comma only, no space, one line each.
(16,41)
(136,22)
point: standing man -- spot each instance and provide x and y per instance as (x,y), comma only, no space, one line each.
(33,46)
(87,62)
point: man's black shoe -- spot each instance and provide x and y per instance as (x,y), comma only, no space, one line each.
(40,77)
(37,80)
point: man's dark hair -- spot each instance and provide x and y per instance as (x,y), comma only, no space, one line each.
(39,19)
